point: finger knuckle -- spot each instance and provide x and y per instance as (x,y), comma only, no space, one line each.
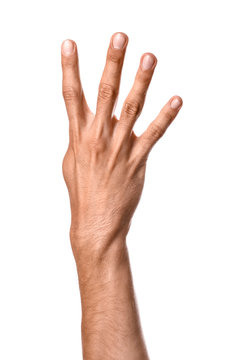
(132,108)
(115,58)
(168,116)
(156,131)
(144,79)
(106,92)
(69,62)
(70,93)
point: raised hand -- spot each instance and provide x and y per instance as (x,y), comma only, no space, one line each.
(105,163)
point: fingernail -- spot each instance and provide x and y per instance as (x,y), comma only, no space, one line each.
(147,62)
(119,41)
(67,47)
(176,103)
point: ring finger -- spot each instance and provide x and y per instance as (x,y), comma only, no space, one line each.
(134,102)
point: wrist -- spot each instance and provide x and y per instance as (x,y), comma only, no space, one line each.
(98,256)
(97,228)
(96,238)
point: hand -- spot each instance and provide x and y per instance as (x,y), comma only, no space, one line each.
(104,166)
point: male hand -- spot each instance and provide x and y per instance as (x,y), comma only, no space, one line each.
(105,163)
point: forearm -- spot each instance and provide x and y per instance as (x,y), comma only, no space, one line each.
(110,322)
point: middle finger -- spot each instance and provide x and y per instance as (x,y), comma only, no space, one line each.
(110,81)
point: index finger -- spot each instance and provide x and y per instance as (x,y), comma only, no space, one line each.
(110,80)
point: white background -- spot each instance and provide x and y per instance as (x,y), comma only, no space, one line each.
(184,240)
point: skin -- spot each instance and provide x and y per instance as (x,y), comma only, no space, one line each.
(104,169)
